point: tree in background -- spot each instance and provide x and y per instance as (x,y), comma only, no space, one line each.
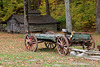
(1,5)
(98,17)
(26,25)
(11,7)
(47,7)
(83,12)
(68,16)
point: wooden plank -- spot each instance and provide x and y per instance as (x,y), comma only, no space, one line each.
(78,50)
(48,35)
(96,58)
(93,52)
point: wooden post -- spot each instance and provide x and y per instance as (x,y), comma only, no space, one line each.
(68,16)
(47,7)
(38,3)
(98,17)
(26,26)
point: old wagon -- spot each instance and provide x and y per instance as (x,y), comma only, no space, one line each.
(62,41)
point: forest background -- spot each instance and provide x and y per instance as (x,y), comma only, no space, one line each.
(83,12)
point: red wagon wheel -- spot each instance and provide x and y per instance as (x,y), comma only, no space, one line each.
(92,44)
(31,43)
(62,45)
(50,45)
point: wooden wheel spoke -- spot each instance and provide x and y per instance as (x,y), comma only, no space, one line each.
(61,43)
(53,45)
(31,42)
(61,51)
(50,45)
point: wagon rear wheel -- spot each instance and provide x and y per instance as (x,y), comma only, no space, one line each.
(62,45)
(92,44)
(31,43)
(50,45)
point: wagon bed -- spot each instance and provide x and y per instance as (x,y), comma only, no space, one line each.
(63,42)
(49,37)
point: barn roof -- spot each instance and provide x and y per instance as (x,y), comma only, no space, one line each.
(43,19)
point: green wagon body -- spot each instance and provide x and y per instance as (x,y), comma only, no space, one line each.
(53,37)
(50,37)
(79,37)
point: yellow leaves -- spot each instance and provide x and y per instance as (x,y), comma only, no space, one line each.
(86,22)
(13,1)
(94,25)
(88,2)
(19,5)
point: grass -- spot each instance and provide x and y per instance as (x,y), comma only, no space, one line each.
(14,54)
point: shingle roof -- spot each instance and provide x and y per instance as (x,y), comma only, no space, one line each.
(43,19)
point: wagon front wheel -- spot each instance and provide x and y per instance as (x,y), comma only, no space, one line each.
(62,45)
(31,43)
(50,45)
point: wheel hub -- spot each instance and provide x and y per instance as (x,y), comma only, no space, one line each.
(29,41)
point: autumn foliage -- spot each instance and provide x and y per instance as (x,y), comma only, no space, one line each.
(83,12)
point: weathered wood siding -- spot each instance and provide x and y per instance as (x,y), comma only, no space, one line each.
(34,28)
(0,27)
(48,27)
(12,25)
(21,28)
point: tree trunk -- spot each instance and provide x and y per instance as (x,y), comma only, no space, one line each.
(68,17)
(98,17)
(29,5)
(47,7)
(26,26)
(34,5)
(1,4)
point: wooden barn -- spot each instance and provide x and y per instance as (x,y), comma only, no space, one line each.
(36,23)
